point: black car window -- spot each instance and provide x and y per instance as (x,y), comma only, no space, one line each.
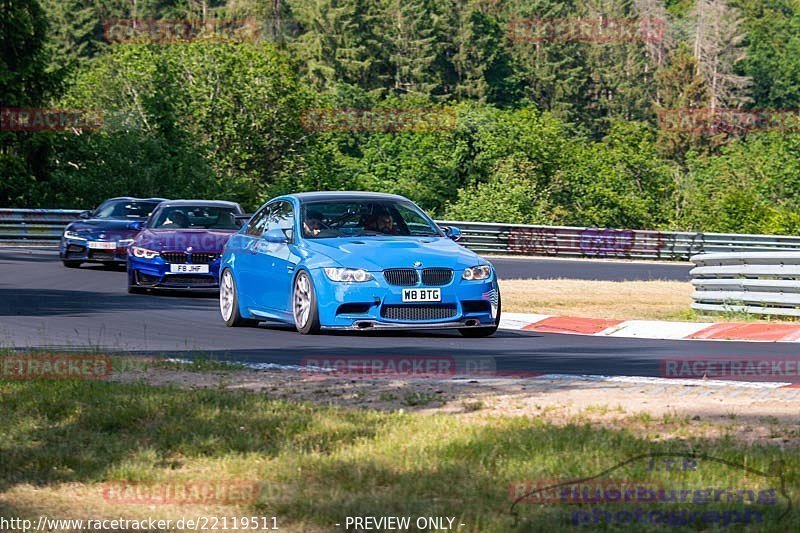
(258,223)
(281,216)
(365,218)
(124,209)
(196,217)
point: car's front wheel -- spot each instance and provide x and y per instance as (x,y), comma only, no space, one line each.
(304,305)
(472,333)
(229,302)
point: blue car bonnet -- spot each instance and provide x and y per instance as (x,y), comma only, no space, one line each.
(380,252)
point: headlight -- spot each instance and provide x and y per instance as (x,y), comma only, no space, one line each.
(73,235)
(125,242)
(477,272)
(144,253)
(347,274)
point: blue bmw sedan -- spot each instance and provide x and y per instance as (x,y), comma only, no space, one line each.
(104,234)
(355,261)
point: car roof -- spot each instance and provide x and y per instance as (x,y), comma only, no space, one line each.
(133,199)
(201,203)
(304,197)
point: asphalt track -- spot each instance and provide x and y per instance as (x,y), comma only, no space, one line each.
(45,305)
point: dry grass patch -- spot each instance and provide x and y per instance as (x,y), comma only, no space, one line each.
(644,300)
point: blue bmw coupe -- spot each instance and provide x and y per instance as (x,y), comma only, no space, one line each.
(104,234)
(180,245)
(355,261)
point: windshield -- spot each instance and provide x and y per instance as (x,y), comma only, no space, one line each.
(359,218)
(196,217)
(124,209)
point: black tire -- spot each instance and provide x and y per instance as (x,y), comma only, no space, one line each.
(133,287)
(72,264)
(474,333)
(234,318)
(304,285)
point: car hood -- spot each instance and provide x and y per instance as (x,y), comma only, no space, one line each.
(103,229)
(199,240)
(379,253)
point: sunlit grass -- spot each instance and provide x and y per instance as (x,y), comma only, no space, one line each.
(317,465)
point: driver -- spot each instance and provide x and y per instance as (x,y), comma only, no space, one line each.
(312,224)
(177,219)
(385,224)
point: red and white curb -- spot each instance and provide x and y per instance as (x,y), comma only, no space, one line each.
(652,329)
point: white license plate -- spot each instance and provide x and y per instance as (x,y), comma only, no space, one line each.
(422,295)
(189,269)
(102,245)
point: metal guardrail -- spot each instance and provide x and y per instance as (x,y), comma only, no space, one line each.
(766,283)
(29,226)
(34,226)
(610,243)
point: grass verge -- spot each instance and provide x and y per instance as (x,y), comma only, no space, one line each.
(645,300)
(63,440)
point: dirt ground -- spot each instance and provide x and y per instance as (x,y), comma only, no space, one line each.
(654,409)
(643,300)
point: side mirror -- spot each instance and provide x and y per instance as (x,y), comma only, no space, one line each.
(242,220)
(276,235)
(137,225)
(452,232)
(85,214)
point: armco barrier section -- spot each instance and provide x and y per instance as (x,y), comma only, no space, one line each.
(34,226)
(610,243)
(42,226)
(764,283)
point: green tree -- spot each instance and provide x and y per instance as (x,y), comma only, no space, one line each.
(511,195)
(406,36)
(333,44)
(483,66)
(24,82)
(752,186)
(773,54)
(617,182)
(235,106)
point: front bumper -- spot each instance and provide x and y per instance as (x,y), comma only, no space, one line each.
(78,250)
(155,274)
(378,305)
(370,325)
